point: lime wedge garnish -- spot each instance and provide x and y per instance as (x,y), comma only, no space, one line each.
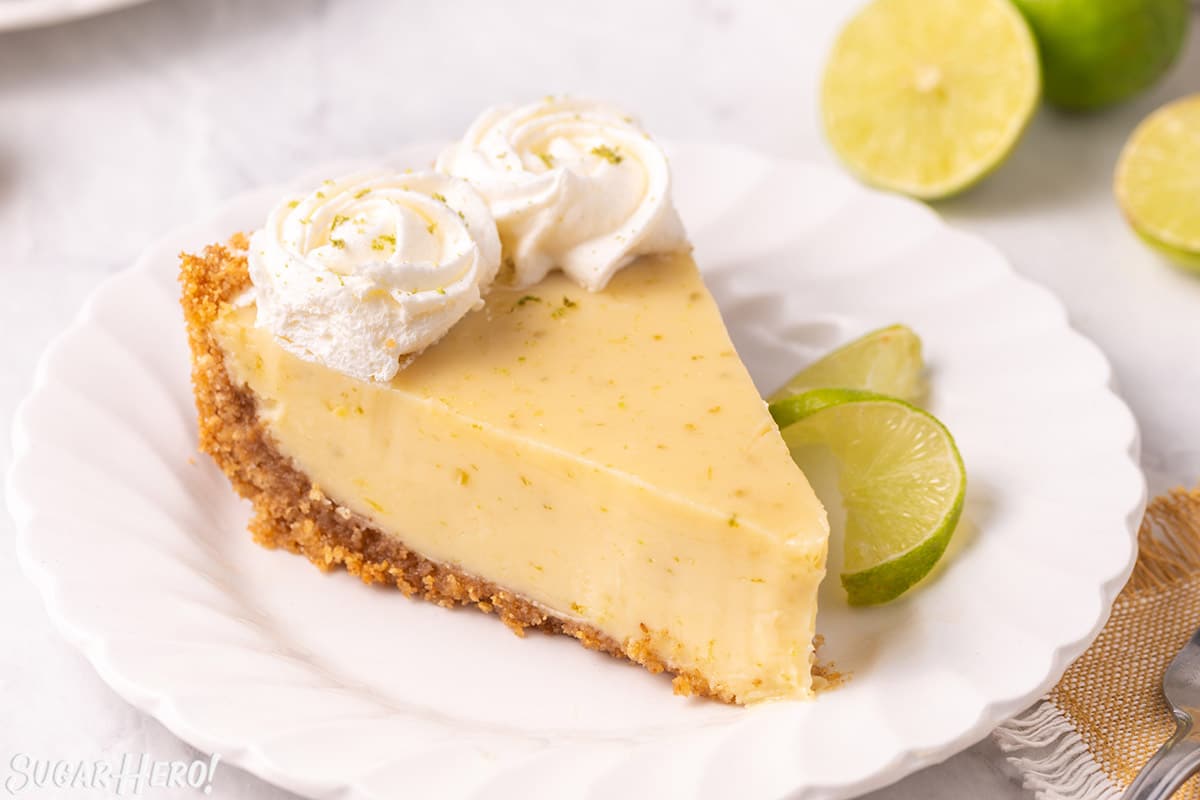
(926,97)
(1158,180)
(887,361)
(901,478)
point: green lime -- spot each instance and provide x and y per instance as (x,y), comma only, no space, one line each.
(926,97)
(1158,180)
(1099,52)
(901,477)
(887,361)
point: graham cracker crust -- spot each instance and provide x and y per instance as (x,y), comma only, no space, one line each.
(293,513)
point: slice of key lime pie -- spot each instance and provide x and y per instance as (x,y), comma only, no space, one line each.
(504,384)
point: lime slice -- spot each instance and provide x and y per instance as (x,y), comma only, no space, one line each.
(887,361)
(926,97)
(1158,180)
(901,478)
(1099,52)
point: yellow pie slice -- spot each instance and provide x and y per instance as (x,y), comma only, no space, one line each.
(595,464)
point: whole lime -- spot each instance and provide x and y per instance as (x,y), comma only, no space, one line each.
(1099,52)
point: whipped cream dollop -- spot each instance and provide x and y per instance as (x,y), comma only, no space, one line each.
(367,270)
(572,184)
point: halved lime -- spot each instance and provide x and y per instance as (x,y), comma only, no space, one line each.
(887,361)
(901,478)
(1158,180)
(926,97)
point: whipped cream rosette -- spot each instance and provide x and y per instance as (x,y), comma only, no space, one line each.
(572,184)
(370,269)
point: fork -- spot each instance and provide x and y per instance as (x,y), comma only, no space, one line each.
(1179,758)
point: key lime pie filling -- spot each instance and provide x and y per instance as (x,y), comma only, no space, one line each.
(503,383)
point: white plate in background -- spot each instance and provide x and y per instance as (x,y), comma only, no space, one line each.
(18,14)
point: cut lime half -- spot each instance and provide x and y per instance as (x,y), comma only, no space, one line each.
(1157,182)
(887,361)
(901,478)
(926,97)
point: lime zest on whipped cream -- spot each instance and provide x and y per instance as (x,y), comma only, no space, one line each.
(609,154)
(367,270)
(573,185)
(383,288)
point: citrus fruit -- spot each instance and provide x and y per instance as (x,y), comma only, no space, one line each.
(926,97)
(1098,52)
(887,361)
(901,478)
(1157,181)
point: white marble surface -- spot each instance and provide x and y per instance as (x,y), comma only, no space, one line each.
(116,129)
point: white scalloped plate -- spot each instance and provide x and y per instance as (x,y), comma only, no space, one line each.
(323,685)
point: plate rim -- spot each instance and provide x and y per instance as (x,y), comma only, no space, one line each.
(257,760)
(45,13)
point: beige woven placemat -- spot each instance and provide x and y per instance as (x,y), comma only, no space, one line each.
(1091,734)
